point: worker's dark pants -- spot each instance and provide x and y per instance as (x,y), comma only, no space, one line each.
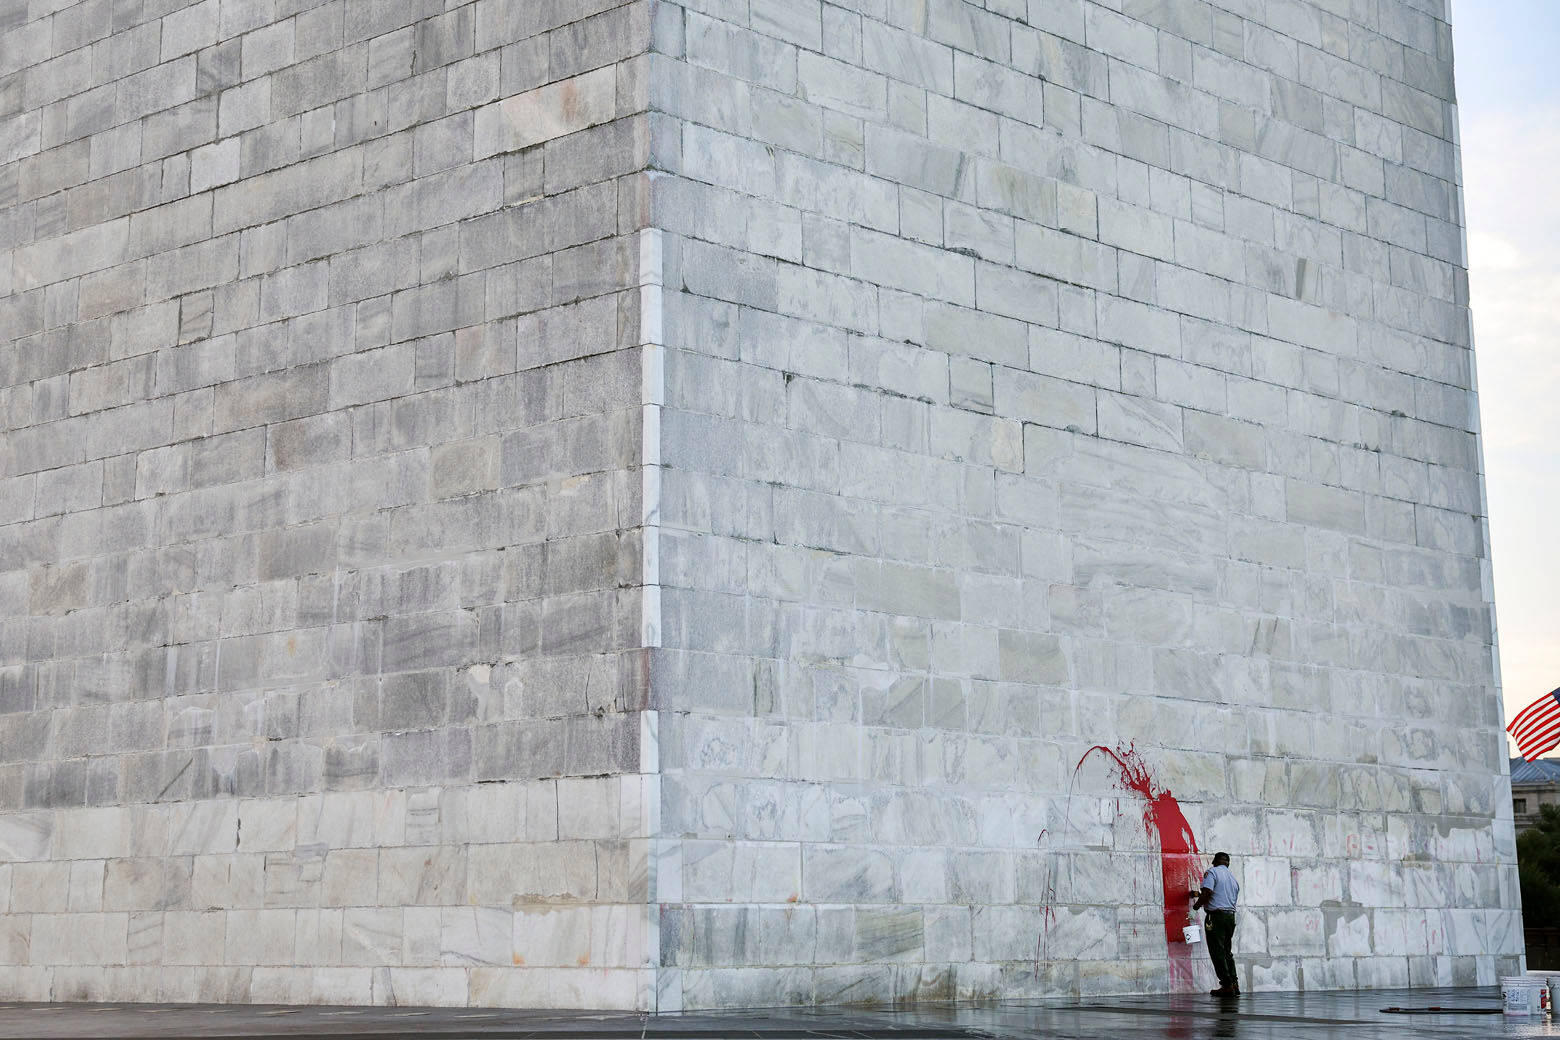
(1221,937)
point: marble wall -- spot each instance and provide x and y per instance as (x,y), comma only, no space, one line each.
(651,504)
(1050,375)
(321,576)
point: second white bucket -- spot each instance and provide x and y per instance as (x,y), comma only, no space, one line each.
(1523,996)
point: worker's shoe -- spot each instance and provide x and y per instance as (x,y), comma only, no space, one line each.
(1225,991)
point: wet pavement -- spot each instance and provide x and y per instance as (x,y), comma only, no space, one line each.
(1270,1016)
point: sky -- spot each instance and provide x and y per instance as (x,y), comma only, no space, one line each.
(1507,62)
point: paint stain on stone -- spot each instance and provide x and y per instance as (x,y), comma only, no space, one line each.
(1180,868)
(569,101)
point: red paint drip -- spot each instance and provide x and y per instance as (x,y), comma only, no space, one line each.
(1179,867)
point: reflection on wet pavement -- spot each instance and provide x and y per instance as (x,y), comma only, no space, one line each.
(1279,1016)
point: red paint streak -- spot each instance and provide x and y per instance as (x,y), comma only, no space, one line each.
(1047,907)
(1179,867)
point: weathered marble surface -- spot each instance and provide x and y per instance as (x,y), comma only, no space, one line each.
(1051,374)
(321,550)
(631,504)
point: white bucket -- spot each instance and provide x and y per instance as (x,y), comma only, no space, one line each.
(1551,981)
(1522,996)
(1192,933)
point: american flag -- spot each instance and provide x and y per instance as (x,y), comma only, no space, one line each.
(1536,729)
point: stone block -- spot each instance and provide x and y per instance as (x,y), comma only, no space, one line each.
(372,375)
(848,874)
(476,936)
(546,112)
(1045,401)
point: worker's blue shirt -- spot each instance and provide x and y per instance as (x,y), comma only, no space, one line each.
(1224,887)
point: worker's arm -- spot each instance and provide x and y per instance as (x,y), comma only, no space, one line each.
(1203,899)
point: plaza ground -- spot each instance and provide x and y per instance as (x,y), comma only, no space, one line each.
(1356,1014)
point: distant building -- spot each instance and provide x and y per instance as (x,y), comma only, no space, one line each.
(1533,785)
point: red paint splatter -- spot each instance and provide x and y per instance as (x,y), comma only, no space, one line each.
(1047,907)
(1179,867)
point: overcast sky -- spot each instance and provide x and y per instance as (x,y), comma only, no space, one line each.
(1508,92)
